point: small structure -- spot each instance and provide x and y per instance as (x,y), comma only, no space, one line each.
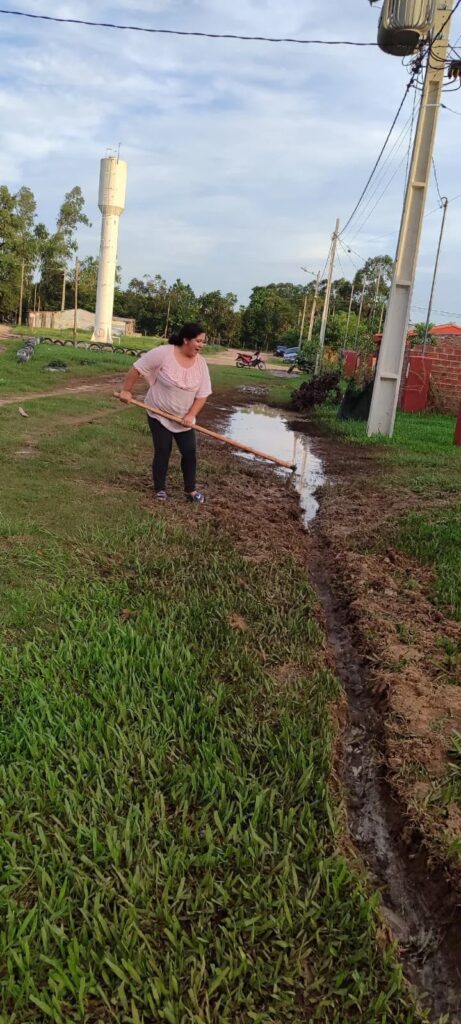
(64,321)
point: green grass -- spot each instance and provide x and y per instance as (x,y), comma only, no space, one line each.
(436,541)
(170,842)
(143,343)
(422,458)
(33,376)
(273,390)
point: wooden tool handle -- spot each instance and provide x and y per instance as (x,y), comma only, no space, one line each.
(211,433)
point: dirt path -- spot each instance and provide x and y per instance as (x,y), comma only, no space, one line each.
(102,385)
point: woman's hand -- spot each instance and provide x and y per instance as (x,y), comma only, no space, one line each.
(188,420)
(125,396)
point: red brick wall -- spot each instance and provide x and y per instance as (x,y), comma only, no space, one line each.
(445,355)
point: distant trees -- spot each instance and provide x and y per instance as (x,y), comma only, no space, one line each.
(37,264)
(28,249)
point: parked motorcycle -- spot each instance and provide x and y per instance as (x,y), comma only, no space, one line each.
(302,364)
(243,359)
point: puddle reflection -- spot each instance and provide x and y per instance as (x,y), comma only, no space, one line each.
(269,430)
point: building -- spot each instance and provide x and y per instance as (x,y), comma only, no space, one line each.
(49,320)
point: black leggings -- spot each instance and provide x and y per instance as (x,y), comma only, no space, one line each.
(163,442)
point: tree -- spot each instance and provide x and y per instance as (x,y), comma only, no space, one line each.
(218,315)
(88,282)
(17,247)
(420,333)
(272,311)
(374,282)
(343,331)
(57,249)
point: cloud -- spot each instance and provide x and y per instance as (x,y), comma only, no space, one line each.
(241,155)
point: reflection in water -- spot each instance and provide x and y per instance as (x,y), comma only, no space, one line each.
(269,430)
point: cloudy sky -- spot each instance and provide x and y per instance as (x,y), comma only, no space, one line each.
(241,154)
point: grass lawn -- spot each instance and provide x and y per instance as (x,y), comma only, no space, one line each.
(82,364)
(170,841)
(422,458)
(143,343)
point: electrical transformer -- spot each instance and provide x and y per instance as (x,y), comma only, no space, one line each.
(404,25)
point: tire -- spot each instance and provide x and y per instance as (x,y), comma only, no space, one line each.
(261,365)
(239,363)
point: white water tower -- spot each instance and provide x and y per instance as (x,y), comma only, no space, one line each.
(112,194)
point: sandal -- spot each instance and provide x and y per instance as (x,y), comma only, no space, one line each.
(198,498)
(161,495)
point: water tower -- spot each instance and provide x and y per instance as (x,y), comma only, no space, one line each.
(112,193)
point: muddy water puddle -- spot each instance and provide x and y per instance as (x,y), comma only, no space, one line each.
(282,435)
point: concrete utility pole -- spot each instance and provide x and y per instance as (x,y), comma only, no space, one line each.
(392,351)
(434,279)
(303,318)
(63,297)
(349,314)
(326,308)
(77,271)
(359,318)
(21,292)
(314,308)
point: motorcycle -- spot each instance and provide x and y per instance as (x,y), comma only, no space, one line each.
(243,359)
(302,364)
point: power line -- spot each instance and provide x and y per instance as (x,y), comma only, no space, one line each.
(181,32)
(381,176)
(410,142)
(436,180)
(383,148)
(444,107)
(383,193)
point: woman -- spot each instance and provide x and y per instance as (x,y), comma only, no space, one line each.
(179,383)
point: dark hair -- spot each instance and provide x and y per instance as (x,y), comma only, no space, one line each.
(187,333)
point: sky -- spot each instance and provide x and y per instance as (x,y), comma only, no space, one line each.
(241,155)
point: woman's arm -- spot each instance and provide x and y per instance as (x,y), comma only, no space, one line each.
(194,410)
(128,384)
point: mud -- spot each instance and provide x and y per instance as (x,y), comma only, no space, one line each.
(420,896)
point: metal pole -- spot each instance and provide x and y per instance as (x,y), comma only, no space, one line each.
(326,308)
(314,308)
(21,292)
(392,351)
(77,268)
(434,279)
